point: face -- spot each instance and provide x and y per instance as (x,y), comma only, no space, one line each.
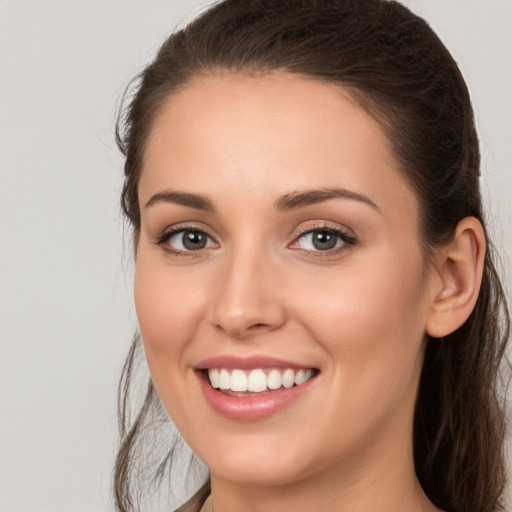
(279,258)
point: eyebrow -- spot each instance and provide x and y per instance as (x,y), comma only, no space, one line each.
(291,201)
(197,201)
(301,198)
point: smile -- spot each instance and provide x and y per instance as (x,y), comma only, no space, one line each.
(251,389)
(258,380)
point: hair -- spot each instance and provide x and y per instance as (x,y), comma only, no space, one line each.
(396,68)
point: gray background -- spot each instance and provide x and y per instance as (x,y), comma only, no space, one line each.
(66,313)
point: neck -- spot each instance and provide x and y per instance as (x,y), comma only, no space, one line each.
(229,498)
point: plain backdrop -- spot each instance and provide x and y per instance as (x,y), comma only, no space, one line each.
(66,313)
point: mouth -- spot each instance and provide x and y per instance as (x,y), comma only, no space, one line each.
(255,388)
(258,381)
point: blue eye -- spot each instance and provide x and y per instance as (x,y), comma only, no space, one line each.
(186,240)
(323,240)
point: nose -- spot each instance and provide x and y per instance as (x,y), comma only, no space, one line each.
(249,298)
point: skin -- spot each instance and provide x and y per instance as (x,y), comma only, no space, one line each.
(358,313)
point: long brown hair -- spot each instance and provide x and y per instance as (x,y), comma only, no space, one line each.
(399,71)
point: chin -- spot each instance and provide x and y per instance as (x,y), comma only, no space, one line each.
(259,463)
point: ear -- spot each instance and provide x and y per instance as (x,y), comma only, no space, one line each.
(458,275)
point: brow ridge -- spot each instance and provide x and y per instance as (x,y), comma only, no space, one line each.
(302,198)
(197,201)
(291,201)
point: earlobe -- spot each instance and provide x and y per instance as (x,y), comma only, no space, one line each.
(459,268)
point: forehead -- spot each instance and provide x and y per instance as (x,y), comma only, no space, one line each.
(268,135)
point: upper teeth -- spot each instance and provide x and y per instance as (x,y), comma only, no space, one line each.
(257,380)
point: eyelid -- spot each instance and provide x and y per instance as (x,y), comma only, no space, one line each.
(163,236)
(307,227)
(346,235)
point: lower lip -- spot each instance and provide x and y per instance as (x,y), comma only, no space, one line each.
(245,408)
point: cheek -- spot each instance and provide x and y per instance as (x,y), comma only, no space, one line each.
(371,326)
(371,320)
(169,306)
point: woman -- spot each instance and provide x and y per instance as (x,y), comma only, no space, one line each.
(314,285)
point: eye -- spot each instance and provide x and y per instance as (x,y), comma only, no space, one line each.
(324,239)
(186,240)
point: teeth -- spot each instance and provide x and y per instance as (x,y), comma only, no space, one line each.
(274,379)
(238,381)
(258,380)
(214,378)
(224,380)
(300,377)
(288,378)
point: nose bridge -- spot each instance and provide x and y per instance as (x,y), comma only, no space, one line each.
(247,298)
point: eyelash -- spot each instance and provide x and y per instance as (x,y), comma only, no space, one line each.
(346,239)
(163,238)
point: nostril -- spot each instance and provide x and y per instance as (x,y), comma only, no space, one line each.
(259,327)
(241,319)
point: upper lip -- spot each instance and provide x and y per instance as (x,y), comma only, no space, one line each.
(248,363)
